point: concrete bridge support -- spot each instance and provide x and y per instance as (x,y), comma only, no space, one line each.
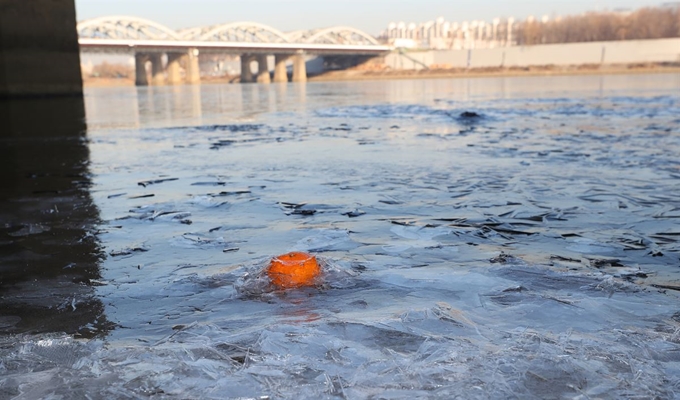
(173,68)
(246,73)
(280,72)
(299,68)
(39,53)
(141,78)
(193,68)
(157,71)
(263,69)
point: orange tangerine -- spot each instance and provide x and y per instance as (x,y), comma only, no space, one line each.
(293,270)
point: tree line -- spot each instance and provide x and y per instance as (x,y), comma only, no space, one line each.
(645,23)
(106,70)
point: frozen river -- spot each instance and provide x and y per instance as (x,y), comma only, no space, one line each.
(483,238)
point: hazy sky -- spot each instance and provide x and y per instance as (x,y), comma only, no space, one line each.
(371,16)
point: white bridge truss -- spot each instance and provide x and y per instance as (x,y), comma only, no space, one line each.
(133,28)
(121,28)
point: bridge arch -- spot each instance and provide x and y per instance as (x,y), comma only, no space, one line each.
(124,27)
(334,35)
(249,32)
(298,36)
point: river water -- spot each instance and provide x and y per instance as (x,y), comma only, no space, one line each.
(480,238)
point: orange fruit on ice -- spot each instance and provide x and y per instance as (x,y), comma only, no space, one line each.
(293,270)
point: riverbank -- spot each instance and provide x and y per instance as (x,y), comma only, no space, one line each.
(452,73)
(440,73)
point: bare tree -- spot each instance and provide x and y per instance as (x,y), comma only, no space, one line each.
(106,70)
(645,23)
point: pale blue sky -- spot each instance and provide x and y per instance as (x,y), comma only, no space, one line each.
(371,16)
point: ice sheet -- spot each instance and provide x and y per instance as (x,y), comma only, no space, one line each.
(529,252)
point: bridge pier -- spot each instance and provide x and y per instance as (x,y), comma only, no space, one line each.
(263,69)
(173,68)
(299,67)
(141,79)
(246,73)
(280,72)
(157,72)
(39,54)
(193,68)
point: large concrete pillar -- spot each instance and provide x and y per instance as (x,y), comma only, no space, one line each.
(157,72)
(280,73)
(39,53)
(193,67)
(246,73)
(299,68)
(173,68)
(263,69)
(141,78)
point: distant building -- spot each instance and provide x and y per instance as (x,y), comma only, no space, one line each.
(620,23)
(442,34)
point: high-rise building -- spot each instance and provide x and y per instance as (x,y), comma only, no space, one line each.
(443,34)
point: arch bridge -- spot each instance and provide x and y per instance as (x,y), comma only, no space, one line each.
(252,41)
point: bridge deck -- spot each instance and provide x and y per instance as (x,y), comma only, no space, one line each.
(227,47)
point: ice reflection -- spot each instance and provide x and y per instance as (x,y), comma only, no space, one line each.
(210,104)
(49,254)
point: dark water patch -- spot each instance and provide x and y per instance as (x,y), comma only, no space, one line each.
(505,259)
(342,127)
(232,192)
(221,128)
(128,250)
(156,181)
(354,213)
(391,111)
(49,253)
(471,115)
(429,135)
(307,209)
(216,145)
(159,212)
(142,196)
(215,183)
(302,211)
